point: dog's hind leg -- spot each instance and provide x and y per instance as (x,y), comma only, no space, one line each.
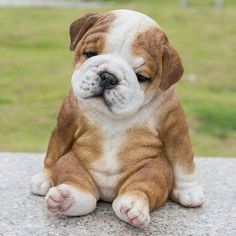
(178,148)
(74,192)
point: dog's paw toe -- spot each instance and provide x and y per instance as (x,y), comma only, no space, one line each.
(59,199)
(132,210)
(40,184)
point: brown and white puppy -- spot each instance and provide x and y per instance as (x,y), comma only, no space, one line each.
(121,135)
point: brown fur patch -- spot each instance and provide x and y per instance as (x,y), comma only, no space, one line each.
(88,145)
(141,143)
(94,38)
(175,134)
(148,45)
(62,136)
(73,133)
(162,63)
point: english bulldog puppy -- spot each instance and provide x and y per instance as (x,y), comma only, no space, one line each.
(121,134)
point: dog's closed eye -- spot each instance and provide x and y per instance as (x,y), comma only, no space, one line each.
(89,54)
(142,79)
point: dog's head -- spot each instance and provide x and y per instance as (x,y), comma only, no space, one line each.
(122,60)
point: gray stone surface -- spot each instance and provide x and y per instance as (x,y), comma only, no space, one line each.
(22,213)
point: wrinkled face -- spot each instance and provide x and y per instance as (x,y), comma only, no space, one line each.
(122,60)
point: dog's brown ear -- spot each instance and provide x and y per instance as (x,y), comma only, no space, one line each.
(172,69)
(80,26)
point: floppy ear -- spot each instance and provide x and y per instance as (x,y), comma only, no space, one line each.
(172,69)
(80,26)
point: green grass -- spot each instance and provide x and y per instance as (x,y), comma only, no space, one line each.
(36,66)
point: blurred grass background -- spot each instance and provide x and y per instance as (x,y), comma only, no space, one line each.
(36,67)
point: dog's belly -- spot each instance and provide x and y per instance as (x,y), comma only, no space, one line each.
(106,184)
(123,155)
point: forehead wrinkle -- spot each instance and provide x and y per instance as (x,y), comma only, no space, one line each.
(94,40)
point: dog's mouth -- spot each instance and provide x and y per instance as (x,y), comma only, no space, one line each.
(100,95)
(102,100)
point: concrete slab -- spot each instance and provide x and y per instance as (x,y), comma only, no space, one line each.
(22,213)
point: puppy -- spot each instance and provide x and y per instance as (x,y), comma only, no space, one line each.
(121,134)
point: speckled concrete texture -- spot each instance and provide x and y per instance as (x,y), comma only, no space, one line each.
(22,213)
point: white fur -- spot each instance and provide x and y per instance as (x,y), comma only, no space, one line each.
(70,201)
(132,210)
(40,184)
(187,190)
(105,171)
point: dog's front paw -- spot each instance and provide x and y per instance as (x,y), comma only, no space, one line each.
(189,194)
(67,200)
(40,184)
(132,209)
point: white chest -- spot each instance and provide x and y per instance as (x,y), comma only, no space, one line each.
(106,170)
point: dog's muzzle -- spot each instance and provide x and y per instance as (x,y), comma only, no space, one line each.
(112,79)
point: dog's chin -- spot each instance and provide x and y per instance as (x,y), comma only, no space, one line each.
(106,106)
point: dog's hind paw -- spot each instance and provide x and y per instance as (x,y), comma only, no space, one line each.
(189,195)
(40,184)
(67,200)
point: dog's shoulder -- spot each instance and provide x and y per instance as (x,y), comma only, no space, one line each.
(171,116)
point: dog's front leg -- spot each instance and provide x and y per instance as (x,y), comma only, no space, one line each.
(60,143)
(144,190)
(178,149)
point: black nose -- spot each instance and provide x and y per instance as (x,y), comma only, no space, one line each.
(108,80)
